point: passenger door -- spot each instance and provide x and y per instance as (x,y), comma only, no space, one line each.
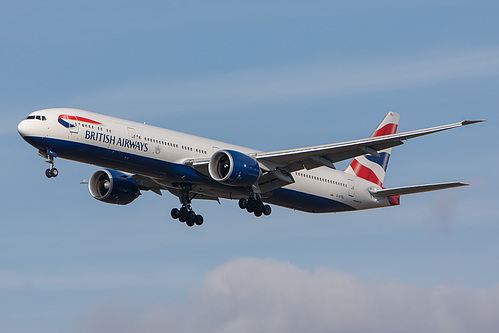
(351,188)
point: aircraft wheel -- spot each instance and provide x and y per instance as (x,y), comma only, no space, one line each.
(191,216)
(54,172)
(199,220)
(267,210)
(48,173)
(251,204)
(259,206)
(175,213)
(182,217)
(190,223)
(258,213)
(243,203)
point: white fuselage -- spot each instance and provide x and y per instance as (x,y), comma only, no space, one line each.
(161,154)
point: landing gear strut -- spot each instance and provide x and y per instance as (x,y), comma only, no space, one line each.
(50,155)
(255,206)
(185,213)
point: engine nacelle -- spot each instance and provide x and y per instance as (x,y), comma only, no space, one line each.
(233,168)
(113,187)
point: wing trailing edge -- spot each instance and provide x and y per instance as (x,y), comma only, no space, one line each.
(327,155)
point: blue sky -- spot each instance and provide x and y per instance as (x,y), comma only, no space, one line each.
(269,75)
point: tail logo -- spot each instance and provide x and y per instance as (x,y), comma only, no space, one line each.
(382,160)
(373,168)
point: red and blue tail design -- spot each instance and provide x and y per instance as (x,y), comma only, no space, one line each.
(370,167)
(63,119)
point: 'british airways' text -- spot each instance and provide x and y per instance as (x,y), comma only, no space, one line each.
(111,139)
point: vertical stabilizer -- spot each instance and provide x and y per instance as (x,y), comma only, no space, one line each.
(370,167)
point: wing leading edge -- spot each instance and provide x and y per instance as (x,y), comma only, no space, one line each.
(326,155)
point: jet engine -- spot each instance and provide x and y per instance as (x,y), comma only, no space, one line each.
(233,168)
(113,187)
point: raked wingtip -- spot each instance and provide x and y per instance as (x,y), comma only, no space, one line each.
(469,122)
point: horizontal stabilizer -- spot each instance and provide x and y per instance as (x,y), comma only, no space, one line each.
(414,189)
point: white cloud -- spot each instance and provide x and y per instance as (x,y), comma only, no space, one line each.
(256,295)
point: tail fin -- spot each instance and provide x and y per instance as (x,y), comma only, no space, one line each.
(370,167)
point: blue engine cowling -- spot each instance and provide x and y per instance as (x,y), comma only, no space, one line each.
(233,168)
(113,187)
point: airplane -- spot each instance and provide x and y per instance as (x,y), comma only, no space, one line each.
(137,157)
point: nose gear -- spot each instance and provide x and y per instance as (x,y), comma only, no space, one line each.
(49,155)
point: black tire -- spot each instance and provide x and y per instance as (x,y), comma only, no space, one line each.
(191,216)
(243,203)
(190,223)
(267,210)
(258,213)
(251,204)
(54,172)
(259,206)
(182,217)
(48,173)
(175,213)
(199,220)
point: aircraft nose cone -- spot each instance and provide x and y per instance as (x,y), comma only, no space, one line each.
(24,128)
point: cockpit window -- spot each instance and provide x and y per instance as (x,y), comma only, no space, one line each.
(42,118)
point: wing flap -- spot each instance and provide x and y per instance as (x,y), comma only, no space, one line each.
(415,189)
(148,184)
(194,195)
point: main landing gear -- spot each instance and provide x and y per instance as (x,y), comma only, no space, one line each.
(185,213)
(255,206)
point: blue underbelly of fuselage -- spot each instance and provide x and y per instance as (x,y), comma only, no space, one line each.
(173,174)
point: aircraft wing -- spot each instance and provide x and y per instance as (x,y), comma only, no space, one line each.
(326,155)
(277,166)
